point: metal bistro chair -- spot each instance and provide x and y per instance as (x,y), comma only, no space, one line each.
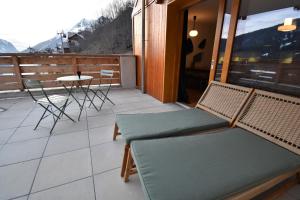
(108,75)
(55,105)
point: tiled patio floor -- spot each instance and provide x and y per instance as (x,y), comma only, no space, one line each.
(79,160)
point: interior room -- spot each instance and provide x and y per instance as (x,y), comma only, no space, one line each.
(197,45)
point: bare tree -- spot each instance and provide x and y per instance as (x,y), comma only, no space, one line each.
(115,8)
(112,31)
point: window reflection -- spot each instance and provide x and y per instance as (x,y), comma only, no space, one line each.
(263,56)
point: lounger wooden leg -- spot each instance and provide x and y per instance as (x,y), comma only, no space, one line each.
(125,157)
(116,132)
(128,166)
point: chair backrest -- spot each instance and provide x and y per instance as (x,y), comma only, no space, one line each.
(107,73)
(34,84)
(224,100)
(274,117)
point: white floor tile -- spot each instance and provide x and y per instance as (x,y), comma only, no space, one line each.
(63,168)
(22,151)
(67,142)
(78,190)
(16,180)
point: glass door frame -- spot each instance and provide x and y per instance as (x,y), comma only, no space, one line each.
(229,44)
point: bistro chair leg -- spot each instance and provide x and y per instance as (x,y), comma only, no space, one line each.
(93,97)
(62,112)
(95,94)
(42,117)
(54,125)
(105,94)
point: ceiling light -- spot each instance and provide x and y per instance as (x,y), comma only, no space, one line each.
(287,26)
(193,32)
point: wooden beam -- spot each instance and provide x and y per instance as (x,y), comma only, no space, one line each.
(6,60)
(259,189)
(218,35)
(74,65)
(172,54)
(231,34)
(282,189)
(18,72)
(6,69)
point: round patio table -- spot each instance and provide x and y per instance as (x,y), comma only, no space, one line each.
(79,80)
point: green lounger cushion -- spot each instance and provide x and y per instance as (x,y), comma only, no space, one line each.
(165,124)
(210,166)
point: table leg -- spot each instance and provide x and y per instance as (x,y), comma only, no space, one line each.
(85,96)
(71,94)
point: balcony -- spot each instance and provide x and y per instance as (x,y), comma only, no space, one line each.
(79,160)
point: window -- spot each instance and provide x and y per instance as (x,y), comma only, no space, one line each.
(266,51)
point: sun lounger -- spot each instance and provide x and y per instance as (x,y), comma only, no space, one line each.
(235,163)
(217,108)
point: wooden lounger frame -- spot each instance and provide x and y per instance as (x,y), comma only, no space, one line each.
(224,100)
(221,99)
(281,126)
(274,117)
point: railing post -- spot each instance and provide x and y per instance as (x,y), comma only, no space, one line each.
(128,71)
(18,72)
(74,65)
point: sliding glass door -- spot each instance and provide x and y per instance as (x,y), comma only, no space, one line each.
(257,45)
(266,46)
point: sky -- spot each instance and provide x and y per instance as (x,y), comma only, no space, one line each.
(27,22)
(260,21)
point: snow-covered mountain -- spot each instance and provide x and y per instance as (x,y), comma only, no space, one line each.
(7,47)
(52,43)
(82,25)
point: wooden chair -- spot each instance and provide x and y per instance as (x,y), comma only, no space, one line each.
(274,118)
(217,108)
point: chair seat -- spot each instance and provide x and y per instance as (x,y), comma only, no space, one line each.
(210,166)
(56,99)
(166,124)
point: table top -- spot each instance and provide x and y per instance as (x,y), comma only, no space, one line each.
(74,78)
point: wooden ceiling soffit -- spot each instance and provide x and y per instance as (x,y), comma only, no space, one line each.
(183,4)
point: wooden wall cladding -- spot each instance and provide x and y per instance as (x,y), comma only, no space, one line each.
(155,37)
(137,46)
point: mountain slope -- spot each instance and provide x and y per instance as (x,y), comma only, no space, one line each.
(52,43)
(110,37)
(7,47)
